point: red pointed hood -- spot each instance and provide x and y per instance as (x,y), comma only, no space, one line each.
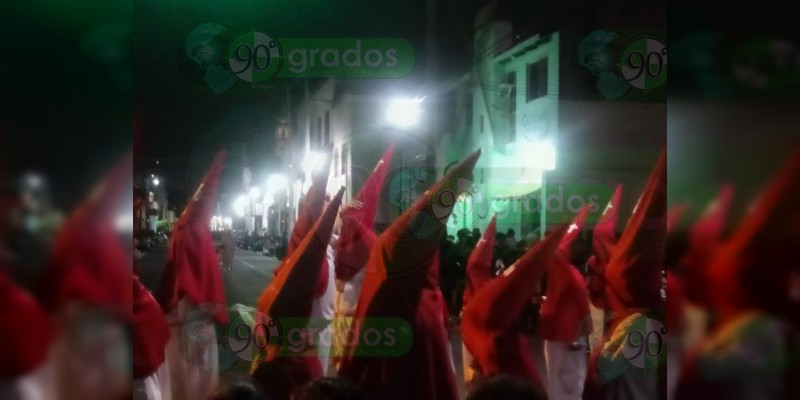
(89,263)
(479,264)
(370,193)
(311,207)
(751,270)
(410,245)
(633,276)
(201,206)
(289,293)
(26,330)
(573,231)
(192,270)
(604,240)
(150,332)
(565,314)
(357,237)
(496,309)
(705,237)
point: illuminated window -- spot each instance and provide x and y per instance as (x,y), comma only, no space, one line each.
(537,80)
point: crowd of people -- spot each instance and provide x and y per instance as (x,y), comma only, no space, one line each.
(87,324)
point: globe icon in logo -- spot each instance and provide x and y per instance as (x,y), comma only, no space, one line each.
(202,61)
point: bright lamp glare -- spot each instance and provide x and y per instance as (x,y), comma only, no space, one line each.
(255,191)
(238,205)
(540,155)
(124,223)
(156,181)
(404,113)
(313,161)
(277,182)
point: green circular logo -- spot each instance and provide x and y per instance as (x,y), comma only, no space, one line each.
(645,345)
(251,334)
(254,56)
(643,63)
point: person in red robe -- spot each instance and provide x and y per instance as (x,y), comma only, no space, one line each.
(688,303)
(633,291)
(352,246)
(87,288)
(192,295)
(490,325)
(309,211)
(744,355)
(26,336)
(150,335)
(282,367)
(566,321)
(479,272)
(402,282)
(604,240)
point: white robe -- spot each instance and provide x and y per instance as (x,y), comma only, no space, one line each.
(192,354)
(322,314)
(153,387)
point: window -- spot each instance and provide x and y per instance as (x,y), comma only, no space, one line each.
(537,80)
(511,82)
(319,132)
(327,128)
(469,113)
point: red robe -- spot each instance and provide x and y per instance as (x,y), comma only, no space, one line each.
(479,264)
(402,282)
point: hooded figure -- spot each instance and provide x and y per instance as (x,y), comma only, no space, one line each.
(705,237)
(192,294)
(150,335)
(479,272)
(745,353)
(26,334)
(633,291)
(356,238)
(402,282)
(603,241)
(88,287)
(489,326)
(566,321)
(282,367)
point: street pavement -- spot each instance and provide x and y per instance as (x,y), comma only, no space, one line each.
(243,283)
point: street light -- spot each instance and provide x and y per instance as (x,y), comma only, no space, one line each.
(156,181)
(313,161)
(404,113)
(277,182)
(239,205)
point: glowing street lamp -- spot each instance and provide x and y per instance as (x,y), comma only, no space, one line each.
(404,113)
(239,204)
(277,182)
(313,161)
